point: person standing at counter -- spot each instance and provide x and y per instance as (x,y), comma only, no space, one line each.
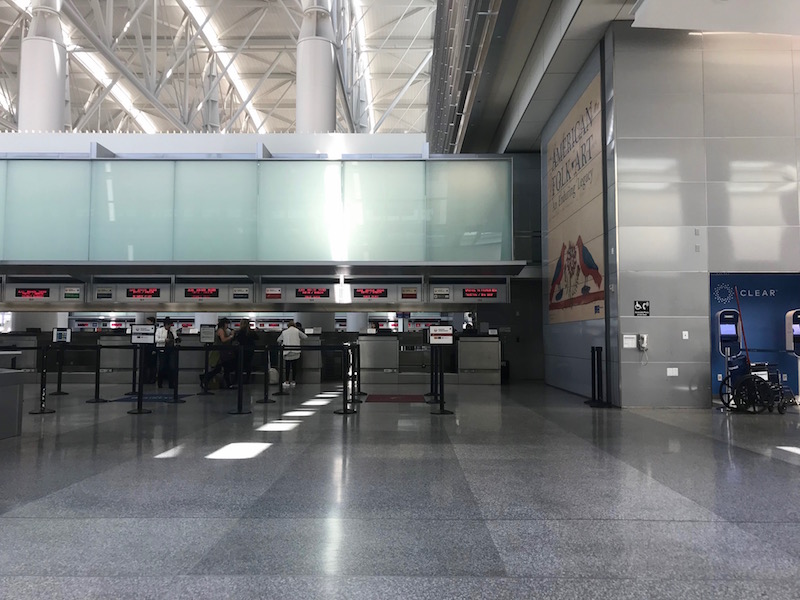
(246,338)
(150,357)
(291,336)
(221,359)
(165,343)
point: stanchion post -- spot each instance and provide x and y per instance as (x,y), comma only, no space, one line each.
(97,399)
(133,372)
(440,387)
(281,367)
(597,379)
(432,365)
(43,410)
(593,362)
(600,375)
(204,391)
(266,399)
(176,353)
(239,388)
(351,359)
(345,410)
(140,392)
(60,363)
(358,369)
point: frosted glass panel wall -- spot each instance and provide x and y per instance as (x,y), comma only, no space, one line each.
(3,170)
(215,211)
(300,213)
(470,210)
(385,209)
(47,210)
(132,210)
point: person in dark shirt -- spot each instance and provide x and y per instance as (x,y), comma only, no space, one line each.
(246,338)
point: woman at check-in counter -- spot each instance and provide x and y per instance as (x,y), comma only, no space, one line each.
(224,359)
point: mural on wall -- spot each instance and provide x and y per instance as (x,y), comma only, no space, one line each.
(575,212)
(764,300)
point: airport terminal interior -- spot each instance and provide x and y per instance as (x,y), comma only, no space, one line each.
(398,299)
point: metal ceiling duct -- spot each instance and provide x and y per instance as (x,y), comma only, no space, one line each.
(316,70)
(461,41)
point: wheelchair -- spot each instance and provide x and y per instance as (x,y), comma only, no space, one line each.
(754,387)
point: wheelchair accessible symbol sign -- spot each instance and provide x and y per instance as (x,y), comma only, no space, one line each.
(641,308)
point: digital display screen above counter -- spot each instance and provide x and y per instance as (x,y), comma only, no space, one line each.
(143,292)
(32,293)
(479,292)
(312,293)
(201,292)
(370,293)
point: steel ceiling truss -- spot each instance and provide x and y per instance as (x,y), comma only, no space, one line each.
(158,55)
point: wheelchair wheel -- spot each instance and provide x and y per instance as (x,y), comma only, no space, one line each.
(725,392)
(752,393)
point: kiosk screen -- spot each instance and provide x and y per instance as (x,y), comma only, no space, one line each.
(727,329)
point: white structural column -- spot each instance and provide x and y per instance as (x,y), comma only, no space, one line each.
(316,70)
(43,70)
(211,105)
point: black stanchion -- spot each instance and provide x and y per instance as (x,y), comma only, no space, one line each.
(97,399)
(358,370)
(43,410)
(175,374)
(60,363)
(281,367)
(204,390)
(345,410)
(433,395)
(266,399)
(440,387)
(351,370)
(597,379)
(133,373)
(140,393)
(240,388)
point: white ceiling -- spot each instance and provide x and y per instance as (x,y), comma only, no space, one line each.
(395,39)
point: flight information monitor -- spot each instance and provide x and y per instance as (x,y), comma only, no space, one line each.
(32,292)
(370,293)
(143,292)
(311,293)
(201,292)
(479,292)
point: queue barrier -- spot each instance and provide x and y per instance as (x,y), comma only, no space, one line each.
(351,377)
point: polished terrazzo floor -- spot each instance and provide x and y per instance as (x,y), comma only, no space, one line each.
(523,493)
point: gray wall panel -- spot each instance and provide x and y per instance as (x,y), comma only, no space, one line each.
(796,65)
(665,339)
(659,72)
(562,336)
(662,249)
(661,160)
(649,385)
(670,293)
(754,159)
(752,203)
(661,204)
(763,115)
(571,374)
(743,71)
(736,42)
(643,114)
(754,249)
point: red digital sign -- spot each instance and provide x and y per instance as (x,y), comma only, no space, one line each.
(312,292)
(201,292)
(479,292)
(32,292)
(143,292)
(370,293)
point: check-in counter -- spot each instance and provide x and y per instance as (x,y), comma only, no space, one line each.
(112,358)
(379,358)
(479,360)
(28,359)
(11,382)
(414,358)
(310,361)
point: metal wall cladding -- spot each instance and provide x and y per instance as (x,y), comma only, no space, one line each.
(754,249)
(667,291)
(667,346)
(649,386)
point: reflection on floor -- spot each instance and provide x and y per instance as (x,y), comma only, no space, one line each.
(523,493)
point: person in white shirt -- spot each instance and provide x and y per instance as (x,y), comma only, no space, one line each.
(291,336)
(165,344)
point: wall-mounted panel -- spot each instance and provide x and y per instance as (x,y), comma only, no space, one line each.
(215,211)
(469,203)
(754,249)
(752,159)
(746,204)
(662,249)
(132,210)
(661,204)
(742,71)
(748,115)
(385,210)
(678,115)
(47,210)
(661,160)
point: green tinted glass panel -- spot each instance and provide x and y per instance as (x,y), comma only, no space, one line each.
(132,210)
(47,210)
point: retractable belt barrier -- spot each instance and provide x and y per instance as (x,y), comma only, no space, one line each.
(351,372)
